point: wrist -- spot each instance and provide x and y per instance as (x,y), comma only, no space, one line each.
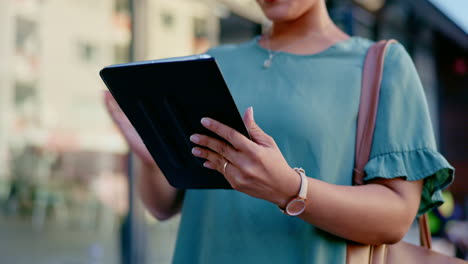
(147,167)
(291,189)
(297,204)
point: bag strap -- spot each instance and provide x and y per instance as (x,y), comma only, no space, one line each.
(370,91)
(424,232)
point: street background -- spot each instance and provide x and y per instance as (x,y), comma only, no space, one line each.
(66,186)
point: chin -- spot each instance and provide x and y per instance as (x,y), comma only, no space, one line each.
(283,10)
(280,16)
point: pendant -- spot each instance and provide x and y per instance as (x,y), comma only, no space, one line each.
(267,63)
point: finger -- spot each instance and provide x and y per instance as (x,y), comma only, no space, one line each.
(236,139)
(208,164)
(255,132)
(229,172)
(214,161)
(221,148)
(112,105)
(209,155)
(109,99)
(115,112)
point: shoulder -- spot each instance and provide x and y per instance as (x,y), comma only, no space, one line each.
(229,49)
(397,55)
(396,52)
(222,49)
(230,57)
(361,44)
(399,69)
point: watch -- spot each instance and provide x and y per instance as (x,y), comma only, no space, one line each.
(297,205)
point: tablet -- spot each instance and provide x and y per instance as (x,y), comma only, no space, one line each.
(165,101)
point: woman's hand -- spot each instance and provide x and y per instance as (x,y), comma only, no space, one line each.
(383,209)
(128,131)
(160,198)
(256,167)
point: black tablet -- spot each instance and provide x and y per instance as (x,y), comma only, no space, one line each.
(165,101)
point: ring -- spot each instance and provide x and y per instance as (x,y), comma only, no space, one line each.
(224,167)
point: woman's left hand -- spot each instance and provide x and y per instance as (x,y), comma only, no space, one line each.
(256,167)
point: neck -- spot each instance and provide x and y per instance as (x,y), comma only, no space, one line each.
(313,24)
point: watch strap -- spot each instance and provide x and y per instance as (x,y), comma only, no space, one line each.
(302,190)
(304,183)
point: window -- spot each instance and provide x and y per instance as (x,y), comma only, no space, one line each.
(87,52)
(167,20)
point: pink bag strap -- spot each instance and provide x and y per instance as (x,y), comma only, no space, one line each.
(370,91)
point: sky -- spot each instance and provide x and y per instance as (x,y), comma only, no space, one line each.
(457,10)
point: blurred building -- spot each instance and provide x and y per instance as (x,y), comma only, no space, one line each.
(51,51)
(52,120)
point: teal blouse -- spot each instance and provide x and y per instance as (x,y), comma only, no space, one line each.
(309,105)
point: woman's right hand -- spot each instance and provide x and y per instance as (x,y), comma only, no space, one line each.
(128,131)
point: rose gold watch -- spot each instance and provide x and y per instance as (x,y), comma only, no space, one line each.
(297,205)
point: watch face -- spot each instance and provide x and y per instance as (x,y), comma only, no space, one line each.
(295,207)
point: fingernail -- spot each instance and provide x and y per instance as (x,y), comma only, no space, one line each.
(206,165)
(205,121)
(196,151)
(194,138)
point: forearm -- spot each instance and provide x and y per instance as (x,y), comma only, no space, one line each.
(370,214)
(379,212)
(160,198)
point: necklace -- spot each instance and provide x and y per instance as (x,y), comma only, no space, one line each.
(267,63)
(271,54)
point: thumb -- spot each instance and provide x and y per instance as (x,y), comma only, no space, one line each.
(256,133)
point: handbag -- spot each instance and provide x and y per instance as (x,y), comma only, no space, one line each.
(400,252)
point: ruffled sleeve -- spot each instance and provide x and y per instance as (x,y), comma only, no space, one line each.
(415,165)
(404,144)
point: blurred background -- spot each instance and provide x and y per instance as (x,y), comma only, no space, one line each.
(67,190)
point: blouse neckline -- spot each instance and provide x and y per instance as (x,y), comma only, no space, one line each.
(333,47)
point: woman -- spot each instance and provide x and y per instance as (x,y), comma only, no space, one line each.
(303,79)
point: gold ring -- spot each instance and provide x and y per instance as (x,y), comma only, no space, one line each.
(224,167)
